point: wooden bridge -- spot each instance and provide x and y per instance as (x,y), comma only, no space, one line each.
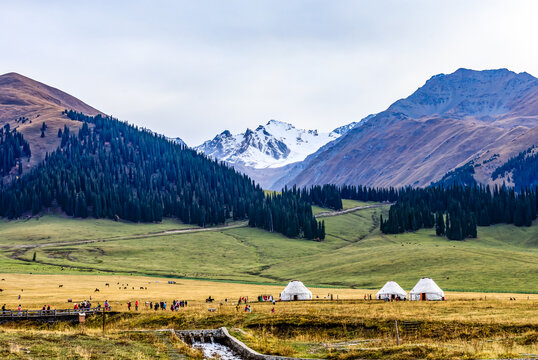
(47,315)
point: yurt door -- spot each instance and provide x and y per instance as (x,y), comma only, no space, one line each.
(295,297)
(423,296)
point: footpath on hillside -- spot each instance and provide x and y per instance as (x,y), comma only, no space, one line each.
(347,211)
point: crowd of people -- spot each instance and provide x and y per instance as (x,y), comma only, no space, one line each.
(157,305)
(176,304)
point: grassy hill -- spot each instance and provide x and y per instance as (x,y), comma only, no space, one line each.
(354,254)
(25,104)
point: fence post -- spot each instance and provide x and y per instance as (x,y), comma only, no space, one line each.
(397,333)
(103,321)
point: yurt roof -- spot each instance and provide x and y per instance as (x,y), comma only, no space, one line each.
(392,287)
(427,285)
(296,287)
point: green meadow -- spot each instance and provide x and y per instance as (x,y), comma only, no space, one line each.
(503,258)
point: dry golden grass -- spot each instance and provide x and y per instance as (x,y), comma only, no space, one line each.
(39,290)
(36,290)
(467,325)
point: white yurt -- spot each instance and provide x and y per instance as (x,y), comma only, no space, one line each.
(295,291)
(426,289)
(391,290)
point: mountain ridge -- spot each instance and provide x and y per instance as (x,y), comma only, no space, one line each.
(265,153)
(272,145)
(417,140)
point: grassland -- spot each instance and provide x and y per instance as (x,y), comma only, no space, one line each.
(477,321)
(467,325)
(355,254)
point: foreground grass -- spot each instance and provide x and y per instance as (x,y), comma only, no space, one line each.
(73,344)
(457,329)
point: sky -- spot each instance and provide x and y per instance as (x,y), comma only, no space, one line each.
(193,69)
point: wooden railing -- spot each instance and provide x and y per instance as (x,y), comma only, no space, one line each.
(29,314)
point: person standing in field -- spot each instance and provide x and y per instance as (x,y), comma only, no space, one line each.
(129,306)
(20,310)
(136,305)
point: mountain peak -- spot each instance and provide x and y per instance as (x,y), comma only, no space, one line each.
(278,123)
(274,145)
(488,93)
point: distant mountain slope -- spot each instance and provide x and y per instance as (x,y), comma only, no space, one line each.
(480,116)
(25,104)
(520,170)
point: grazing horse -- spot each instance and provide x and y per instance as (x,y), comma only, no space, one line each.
(60,285)
(96,290)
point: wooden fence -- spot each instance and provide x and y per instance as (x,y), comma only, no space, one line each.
(37,314)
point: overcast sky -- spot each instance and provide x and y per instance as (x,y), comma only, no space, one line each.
(195,68)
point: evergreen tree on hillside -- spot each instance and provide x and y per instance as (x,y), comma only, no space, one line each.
(465,208)
(110,169)
(13,148)
(439,224)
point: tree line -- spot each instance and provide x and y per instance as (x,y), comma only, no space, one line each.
(114,170)
(457,210)
(330,195)
(288,212)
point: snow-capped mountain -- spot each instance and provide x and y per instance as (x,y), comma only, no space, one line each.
(272,145)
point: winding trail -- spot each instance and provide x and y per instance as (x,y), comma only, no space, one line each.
(347,211)
(130,237)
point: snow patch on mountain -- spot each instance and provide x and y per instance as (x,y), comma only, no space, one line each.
(273,145)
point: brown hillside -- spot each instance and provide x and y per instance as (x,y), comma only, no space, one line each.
(23,97)
(481,116)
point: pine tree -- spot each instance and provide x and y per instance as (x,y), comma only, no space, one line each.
(439,224)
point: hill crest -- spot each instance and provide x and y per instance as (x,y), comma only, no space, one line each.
(25,104)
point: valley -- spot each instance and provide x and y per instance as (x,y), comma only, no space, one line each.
(355,253)
(269,180)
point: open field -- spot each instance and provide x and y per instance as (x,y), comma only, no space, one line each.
(38,290)
(467,325)
(355,254)
(478,321)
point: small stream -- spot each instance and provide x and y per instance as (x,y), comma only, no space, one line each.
(215,350)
